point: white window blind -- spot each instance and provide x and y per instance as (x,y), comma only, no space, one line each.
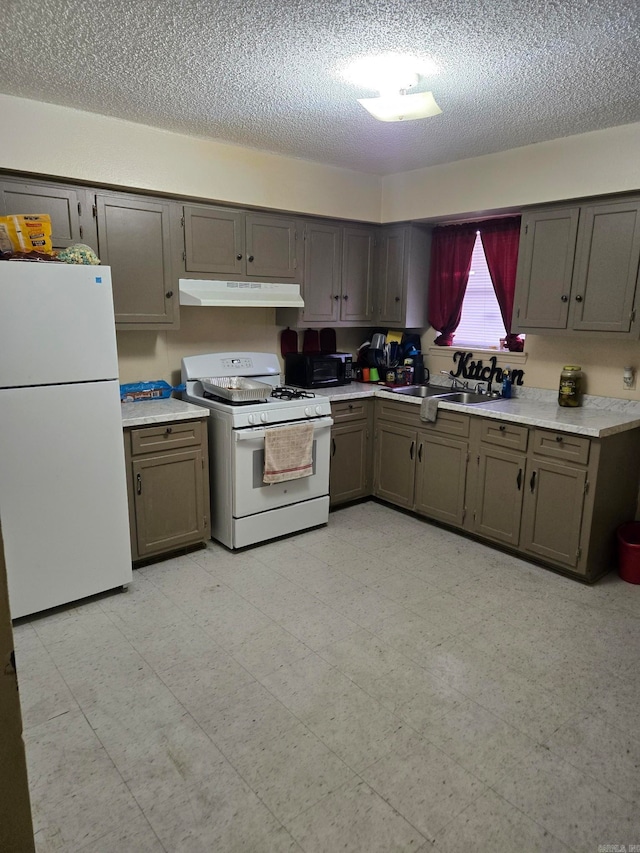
(481,324)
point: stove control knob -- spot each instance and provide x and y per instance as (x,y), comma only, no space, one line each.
(308,411)
(318,410)
(253,419)
(264,417)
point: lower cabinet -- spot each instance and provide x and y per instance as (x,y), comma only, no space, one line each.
(421,465)
(350,473)
(168,486)
(553,497)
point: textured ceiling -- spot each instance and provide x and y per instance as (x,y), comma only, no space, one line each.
(266,75)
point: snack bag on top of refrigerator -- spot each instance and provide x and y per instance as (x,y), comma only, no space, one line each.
(26,232)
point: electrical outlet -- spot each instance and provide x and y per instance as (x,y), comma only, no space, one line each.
(628,379)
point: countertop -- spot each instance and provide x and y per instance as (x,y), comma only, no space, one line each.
(597,418)
(160,411)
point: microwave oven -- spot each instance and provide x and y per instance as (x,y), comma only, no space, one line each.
(317,369)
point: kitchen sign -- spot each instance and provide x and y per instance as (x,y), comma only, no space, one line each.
(468,369)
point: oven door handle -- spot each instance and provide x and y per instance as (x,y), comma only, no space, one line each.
(252,433)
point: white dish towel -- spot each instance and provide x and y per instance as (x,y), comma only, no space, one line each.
(429,409)
(288,453)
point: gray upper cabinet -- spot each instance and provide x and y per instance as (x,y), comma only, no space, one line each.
(578,269)
(214,240)
(358,244)
(322,272)
(402,276)
(606,269)
(234,243)
(67,207)
(135,241)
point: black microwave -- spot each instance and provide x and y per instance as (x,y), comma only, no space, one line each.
(317,369)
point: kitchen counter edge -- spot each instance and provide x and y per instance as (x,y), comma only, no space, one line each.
(584,420)
(160,411)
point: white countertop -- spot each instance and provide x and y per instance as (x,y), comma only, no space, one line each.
(160,411)
(604,416)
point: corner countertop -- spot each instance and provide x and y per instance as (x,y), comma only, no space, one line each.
(160,411)
(597,418)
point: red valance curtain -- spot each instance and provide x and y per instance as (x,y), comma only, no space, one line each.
(500,240)
(451,250)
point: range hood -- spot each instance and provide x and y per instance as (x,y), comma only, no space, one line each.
(239,293)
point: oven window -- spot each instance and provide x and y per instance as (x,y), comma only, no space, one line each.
(258,469)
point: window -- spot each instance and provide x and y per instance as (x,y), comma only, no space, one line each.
(481,323)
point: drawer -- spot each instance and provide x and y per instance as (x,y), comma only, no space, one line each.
(167,436)
(504,434)
(561,445)
(350,410)
(398,413)
(449,423)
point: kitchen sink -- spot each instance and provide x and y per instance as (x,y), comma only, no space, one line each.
(420,390)
(467,397)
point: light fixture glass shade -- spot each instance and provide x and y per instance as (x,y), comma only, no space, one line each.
(401,107)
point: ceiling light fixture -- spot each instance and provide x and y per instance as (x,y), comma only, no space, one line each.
(392,74)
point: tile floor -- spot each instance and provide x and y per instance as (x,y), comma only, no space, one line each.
(376,685)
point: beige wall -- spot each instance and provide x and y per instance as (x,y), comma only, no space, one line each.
(596,163)
(57,141)
(157,355)
(602,362)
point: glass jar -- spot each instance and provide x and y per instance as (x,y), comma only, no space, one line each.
(570,392)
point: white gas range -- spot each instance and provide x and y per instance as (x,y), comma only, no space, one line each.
(244,509)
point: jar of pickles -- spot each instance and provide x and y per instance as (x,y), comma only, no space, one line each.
(570,392)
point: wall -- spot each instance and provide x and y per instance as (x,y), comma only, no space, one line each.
(57,141)
(602,362)
(157,355)
(597,163)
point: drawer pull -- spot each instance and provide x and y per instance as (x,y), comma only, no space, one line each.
(559,438)
(168,431)
(138,484)
(502,427)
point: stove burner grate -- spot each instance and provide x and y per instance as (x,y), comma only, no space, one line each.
(285,392)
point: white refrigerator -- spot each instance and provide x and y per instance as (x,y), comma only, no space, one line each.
(63,495)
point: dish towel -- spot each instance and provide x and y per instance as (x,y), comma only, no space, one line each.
(429,409)
(288,453)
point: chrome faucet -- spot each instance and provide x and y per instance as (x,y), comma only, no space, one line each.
(455,382)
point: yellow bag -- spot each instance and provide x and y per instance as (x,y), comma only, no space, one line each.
(26,233)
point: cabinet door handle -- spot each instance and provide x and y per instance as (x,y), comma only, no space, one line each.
(397,299)
(333,447)
(336,297)
(564,298)
(532,482)
(420,452)
(238,257)
(578,298)
(519,478)
(250,258)
(139,484)
(169,294)
(345,297)
(412,448)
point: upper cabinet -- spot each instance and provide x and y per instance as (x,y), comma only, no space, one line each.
(402,280)
(69,208)
(578,269)
(233,243)
(135,241)
(338,275)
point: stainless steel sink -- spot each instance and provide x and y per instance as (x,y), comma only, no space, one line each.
(420,390)
(448,396)
(468,397)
